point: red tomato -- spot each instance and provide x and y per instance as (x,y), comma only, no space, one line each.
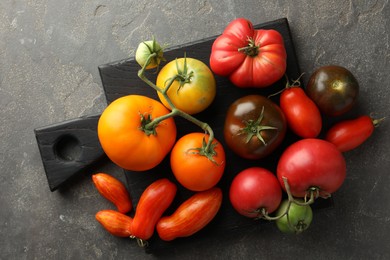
(253,190)
(156,198)
(125,138)
(113,190)
(194,167)
(312,164)
(191,216)
(302,114)
(349,134)
(249,57)
(116,223)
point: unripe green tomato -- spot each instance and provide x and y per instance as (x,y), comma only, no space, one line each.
(145,49)
(297,219)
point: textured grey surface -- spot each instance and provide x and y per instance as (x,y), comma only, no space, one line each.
(49,53)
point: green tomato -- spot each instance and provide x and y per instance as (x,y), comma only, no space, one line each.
(297,219)
(145,49)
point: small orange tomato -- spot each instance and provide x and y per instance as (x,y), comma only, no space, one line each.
(126,136)
(191,216)
(195,167)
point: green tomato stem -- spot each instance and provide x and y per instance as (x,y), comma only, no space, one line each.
(174,110)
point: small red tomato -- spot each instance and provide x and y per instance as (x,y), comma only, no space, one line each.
(349,134)
(155,199)
(115,223)
(191,216)
(312,165)
(253,190)
(302,114)
(113,190)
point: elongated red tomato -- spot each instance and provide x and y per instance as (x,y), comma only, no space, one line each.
(115,223)
(191,216)
(156,198)
(113,190)
(302,114)
(349,134)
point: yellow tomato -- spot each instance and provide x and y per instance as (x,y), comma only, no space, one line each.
(193,85)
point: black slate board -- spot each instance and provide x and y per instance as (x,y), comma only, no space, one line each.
(120,78)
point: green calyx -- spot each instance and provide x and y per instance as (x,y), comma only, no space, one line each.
(183,76)
(254,128)
(207,150)
(146,127)
(251,49)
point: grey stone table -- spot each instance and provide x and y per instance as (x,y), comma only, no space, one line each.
(49,54)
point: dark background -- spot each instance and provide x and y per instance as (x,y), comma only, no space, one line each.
(49,57)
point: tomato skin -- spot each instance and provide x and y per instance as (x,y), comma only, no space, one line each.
(334,89)
(194,171)
(236,131)
(297,219)
(349,134)
(191,216)
(249,57)
(122,140)
(113,190)
(116,223)
(253,189)
(312,163)
(195,95)
(155,199)
(302,114)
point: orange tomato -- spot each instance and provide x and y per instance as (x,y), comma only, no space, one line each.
(124,137)
(194,169)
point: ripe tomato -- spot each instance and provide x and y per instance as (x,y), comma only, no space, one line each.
(302,115)
(349,134)
(254,127)
(297,219)
(116,223)
(155,199)
(124,137)
(195,168)
(334,89)
(253,190)
(312,164)
(191,216)
(193,88)
(113,190)
(249,57)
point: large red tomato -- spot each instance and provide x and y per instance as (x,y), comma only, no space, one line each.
(125,137)
(312,165)
(249,57)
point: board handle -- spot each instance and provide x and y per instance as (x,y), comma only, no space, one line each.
(67,148)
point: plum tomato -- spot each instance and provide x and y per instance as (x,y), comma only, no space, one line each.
(302,114)
(191,216)
(349,134)
(334,89)
(193,87)
(254,127)
(254,191)
(312,166)
(297,218)
(196,166)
